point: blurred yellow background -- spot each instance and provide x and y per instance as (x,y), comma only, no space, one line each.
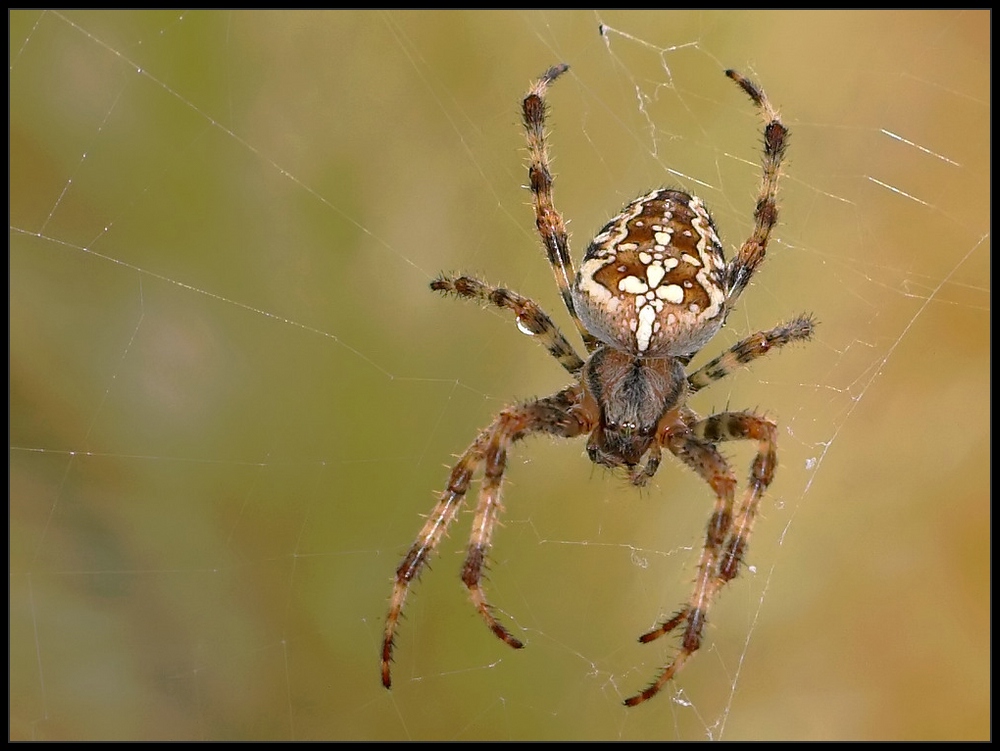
(233,395)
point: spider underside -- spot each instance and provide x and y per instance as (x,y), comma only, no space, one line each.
(652,290)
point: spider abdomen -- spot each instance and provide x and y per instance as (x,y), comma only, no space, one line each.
(652,282)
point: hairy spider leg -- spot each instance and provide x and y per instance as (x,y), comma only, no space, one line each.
(765,215)
(728,532)
(548,220)
(749,349)
(530,317)
(553,415)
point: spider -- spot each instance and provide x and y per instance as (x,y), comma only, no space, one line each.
(652,290)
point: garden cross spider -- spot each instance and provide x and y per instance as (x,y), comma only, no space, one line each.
(652,290)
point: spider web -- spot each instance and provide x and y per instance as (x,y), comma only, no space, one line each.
(232,394)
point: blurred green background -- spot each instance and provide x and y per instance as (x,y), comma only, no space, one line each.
(232,394)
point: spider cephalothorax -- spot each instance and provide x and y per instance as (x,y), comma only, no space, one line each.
(652,290)
(628,400)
